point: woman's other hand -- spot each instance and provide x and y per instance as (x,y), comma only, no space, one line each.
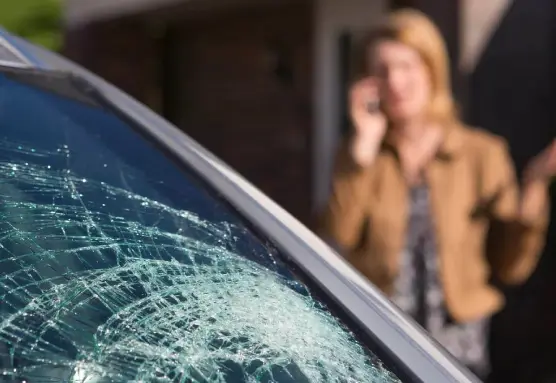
(537,175)
(543,166)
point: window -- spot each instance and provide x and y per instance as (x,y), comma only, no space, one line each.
(116,265)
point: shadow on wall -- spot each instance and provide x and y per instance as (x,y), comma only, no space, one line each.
(512,92)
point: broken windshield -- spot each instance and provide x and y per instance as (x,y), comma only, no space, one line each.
(118,266)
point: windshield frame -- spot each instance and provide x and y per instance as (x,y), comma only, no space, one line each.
(366,307)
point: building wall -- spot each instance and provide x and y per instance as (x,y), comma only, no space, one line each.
(123,52)
(243,86)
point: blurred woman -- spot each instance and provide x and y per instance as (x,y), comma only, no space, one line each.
(426,207)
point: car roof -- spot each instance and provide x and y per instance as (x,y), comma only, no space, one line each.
(377,315)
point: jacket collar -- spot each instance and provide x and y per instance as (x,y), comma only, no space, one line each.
(449,148)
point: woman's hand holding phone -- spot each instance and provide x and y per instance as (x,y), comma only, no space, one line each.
(368,120)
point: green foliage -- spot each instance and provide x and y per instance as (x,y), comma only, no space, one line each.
(39,21)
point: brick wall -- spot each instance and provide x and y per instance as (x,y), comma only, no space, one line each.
(251,111)
(123,52)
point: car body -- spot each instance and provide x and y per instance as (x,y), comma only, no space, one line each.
(130,253)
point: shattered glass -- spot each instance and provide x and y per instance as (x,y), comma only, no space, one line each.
(116,265)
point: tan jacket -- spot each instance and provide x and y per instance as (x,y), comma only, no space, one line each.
(474,198)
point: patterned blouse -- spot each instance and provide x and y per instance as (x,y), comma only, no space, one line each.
(419,293)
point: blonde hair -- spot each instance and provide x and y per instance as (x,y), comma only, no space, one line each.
(414,29)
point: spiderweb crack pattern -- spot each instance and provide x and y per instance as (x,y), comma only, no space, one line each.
(89,295)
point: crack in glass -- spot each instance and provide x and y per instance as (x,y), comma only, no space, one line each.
(88,294)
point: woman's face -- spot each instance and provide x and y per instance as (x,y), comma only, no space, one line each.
(404,81)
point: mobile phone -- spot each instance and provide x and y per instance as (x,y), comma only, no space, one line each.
(373,106)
